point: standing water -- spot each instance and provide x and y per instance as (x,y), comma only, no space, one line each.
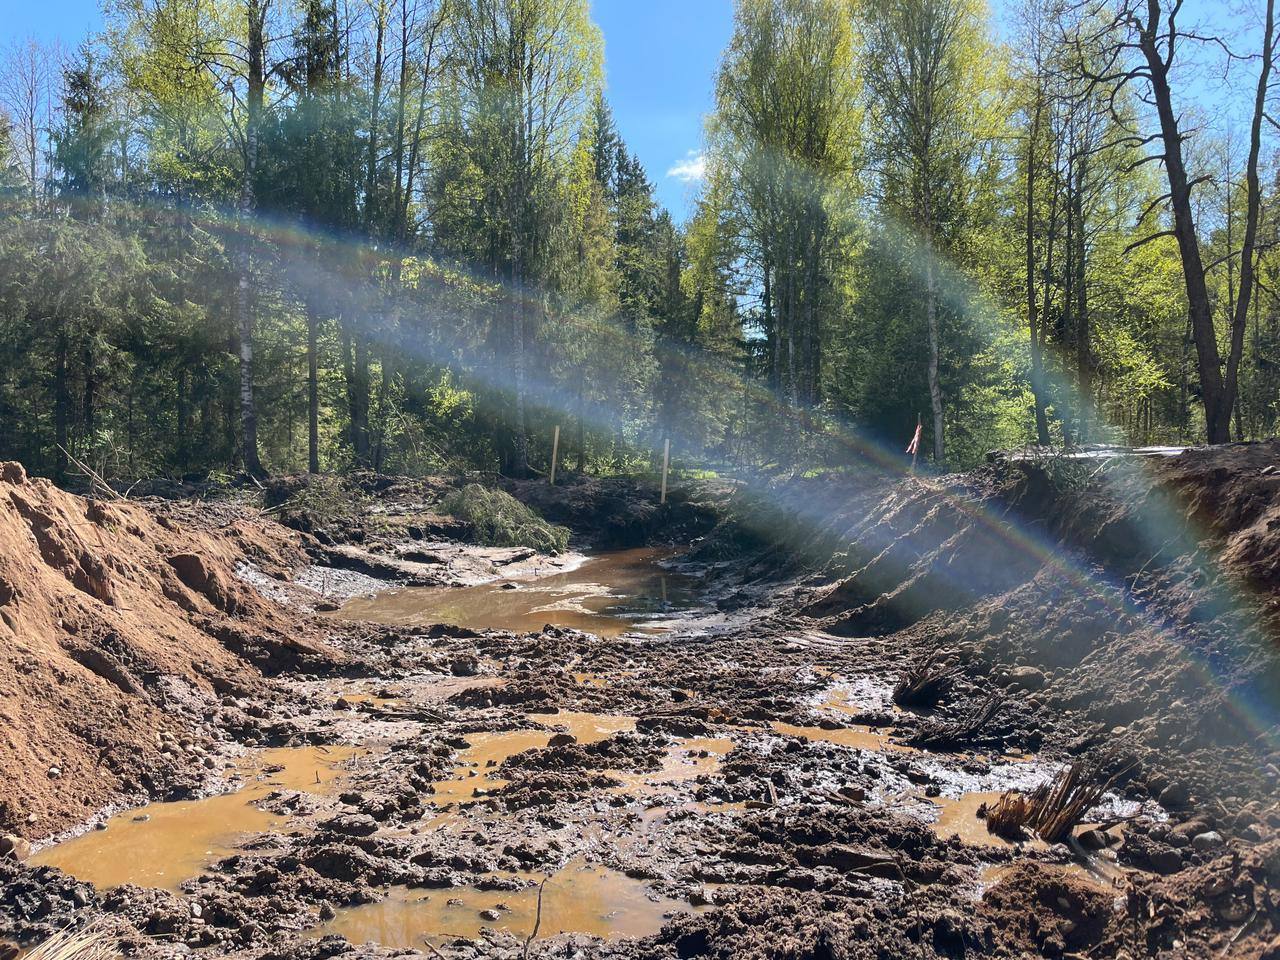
(608,595)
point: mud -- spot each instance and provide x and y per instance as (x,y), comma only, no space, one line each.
(735,781)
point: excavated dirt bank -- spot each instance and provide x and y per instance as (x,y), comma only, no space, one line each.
(742,785)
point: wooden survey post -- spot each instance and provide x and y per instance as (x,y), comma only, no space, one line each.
(666,463)
(555,453)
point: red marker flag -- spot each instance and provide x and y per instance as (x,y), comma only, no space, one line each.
(914,446)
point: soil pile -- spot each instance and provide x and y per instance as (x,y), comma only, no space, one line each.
(1140,592)
(116,625)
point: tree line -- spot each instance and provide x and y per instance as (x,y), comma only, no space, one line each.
(407,235)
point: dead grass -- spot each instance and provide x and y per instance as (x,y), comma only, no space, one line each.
(1053,809)
(925,683)
(88,943)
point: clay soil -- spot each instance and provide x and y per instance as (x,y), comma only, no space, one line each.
(737,784)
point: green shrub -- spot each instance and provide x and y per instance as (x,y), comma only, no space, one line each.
(500,520)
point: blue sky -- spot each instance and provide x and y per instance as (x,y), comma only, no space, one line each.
(660,56)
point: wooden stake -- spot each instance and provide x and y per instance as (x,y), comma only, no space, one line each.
(916,452)
(666,463)
(555,453)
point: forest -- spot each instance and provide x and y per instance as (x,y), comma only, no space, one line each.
(270,236)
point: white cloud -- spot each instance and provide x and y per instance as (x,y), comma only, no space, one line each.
(692,167)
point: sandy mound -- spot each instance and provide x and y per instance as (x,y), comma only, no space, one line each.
(111,618)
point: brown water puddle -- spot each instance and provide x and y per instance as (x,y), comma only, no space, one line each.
(959,818)
(608,595)
(476,773)
(163,844)
(861,737)
(579,898)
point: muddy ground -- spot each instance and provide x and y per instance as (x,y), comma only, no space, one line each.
(727,777)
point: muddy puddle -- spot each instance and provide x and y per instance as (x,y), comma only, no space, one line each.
(608,595)
(476,774)
(579,898)
(163,844)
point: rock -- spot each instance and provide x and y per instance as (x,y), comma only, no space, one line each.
(1092,839)
(465,667)
(55,772)
(210,763)
(327,912)
(1207,840)
(342,703)
(1026,678)
(15,847)
(856,794)
(1167,860)
(1176,794)
(562,740)
(352,824)
(490,915)
(9,950)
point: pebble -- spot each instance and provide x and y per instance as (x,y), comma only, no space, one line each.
(55,772)
(1207,840)
(16,847)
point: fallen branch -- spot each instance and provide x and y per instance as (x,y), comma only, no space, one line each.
(537,921)
(92,474)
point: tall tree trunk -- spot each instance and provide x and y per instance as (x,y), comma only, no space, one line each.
(931,321)
(61,407)
(1253,203)
(244,299)
(313,386)
(1199,308)
(1033,318)
(89,405)
(1084,363)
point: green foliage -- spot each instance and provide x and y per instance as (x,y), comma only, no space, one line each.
(450,251)
(500,520)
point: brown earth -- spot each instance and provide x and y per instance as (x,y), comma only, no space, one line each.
(117,625)
(753,764)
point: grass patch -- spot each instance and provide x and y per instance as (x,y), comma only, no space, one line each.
(500,520)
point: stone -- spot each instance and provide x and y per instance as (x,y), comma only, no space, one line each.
(55,772)
(9,950)
(15,847)
(352,824)
(562,740)
(490,915)
(1026,678)
(1207,840)
(1176,794)
(1092,839)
